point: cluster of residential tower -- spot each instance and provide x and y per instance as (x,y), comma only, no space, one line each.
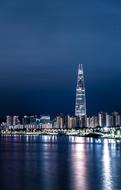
(60,121)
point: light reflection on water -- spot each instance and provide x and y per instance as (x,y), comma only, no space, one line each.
(59,163)
(79,168)
(107,179)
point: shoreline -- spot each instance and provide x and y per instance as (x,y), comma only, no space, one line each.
(59,135)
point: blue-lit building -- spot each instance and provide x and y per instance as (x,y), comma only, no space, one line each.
(80,104)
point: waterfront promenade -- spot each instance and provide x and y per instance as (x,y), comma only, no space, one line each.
(85,132)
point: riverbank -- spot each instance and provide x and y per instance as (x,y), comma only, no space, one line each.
(90,135)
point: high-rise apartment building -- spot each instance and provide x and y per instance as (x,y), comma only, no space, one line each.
(16,120)
(9,120)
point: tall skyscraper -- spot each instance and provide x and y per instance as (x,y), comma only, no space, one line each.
(80,105)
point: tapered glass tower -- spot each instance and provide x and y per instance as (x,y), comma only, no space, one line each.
(80,105)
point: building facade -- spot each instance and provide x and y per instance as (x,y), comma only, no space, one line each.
(80,104)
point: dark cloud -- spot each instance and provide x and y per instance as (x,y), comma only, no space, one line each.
(41,45)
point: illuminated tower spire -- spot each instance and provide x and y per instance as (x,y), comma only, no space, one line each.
(80,106)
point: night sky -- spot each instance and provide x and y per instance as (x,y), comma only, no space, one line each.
(41,44)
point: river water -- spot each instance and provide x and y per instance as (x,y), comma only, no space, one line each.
(59,163)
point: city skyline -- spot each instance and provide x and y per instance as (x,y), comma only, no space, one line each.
(80,106)
(101,120)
